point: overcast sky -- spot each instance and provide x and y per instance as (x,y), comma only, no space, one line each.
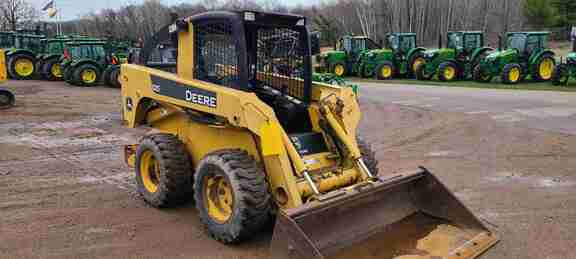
(71,9)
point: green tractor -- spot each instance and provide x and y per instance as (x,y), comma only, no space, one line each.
(463,52)
(48,62)
(118,53)
(85,62)
(567,69)
(21,49)
(363,57)
(525,54)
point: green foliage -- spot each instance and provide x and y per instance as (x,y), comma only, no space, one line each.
(540,13)
(565,15)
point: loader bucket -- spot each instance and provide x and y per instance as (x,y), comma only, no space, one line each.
(408,216)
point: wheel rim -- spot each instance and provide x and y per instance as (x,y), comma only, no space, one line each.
(24,67)
(386,72)
(514,75)
(417,63)
(546,68)
(449,73)
(149,171)
(89,76)
(218,198)
(339,70)
(56,70)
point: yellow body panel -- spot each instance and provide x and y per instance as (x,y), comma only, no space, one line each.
(3,72)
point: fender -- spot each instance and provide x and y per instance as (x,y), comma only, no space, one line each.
(50,56)
(13,52)
(479,51)
(537,55)
(80,62)
(414,51)
(333,57)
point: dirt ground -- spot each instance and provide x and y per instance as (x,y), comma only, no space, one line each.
(66,192)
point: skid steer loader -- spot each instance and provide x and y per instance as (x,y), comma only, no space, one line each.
(242,128)
(7,99)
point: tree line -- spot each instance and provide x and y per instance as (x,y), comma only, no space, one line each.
(333,18)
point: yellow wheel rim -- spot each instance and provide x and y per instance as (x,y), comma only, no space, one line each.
(149,171)
(339,70)
(449,73)
(24,67)
(417,63)
(514,75)
(218,198)
(546,69)
(56,70)
(89,76)
(386,72)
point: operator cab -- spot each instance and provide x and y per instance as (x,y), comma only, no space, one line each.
(265,53)
(527,43)
(465,42)
(401,42)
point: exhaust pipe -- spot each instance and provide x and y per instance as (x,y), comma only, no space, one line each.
(573,45)
(440,40)
(500,42)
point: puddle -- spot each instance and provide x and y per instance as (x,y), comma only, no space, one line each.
(443,153)
(530,180)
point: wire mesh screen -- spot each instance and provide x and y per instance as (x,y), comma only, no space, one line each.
(280,60)
(215,57)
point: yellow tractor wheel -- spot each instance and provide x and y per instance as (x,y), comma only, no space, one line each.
(86,75)
(384,71)
(448,71)
(545,68)
(163,171)
(417,60)
(512,74)
(21,67)
(339,69)
(231,195)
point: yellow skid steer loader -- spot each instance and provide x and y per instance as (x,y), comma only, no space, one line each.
(7,99)
(242,129)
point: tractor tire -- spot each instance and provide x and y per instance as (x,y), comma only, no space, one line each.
(448,71)
(422,75)
(113,80)
(415,61)
(67,75)
(385,71)
(368,155)
(51,70)
(106,76)
(39,65)
(364,72)
(7,99)
(163,171)
(232,196)
(21,67)
(86,75)
(561,75)
(339,69)
(479,76)
(512,74)
(544,68)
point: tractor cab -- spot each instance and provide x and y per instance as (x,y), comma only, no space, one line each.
(527,43)
(356,44)
(401,42)
(7,40)
(465,42)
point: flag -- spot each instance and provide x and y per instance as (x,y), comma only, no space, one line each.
(48,5)
(52,12)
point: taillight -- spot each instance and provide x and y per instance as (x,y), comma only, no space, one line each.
(114,60)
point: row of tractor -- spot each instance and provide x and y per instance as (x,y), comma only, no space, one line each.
(518,57)
(78,60)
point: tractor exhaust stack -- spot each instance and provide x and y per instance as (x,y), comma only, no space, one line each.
(403,216)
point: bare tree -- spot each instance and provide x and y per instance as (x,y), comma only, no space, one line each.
(17,14)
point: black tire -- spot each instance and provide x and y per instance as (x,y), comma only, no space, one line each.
(7,99)
(507,74)
(39,65)
(412,71)
(480,76)
(106,76)
(174,186)
(47,70)
(368,155)
(77,75)
(333,68)
(380,75)
(113,80)
(422,75)
(561,75)
(251,208)
(536,76)
(443,69)
(12,66)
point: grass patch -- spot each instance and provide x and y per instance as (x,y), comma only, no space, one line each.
(545,86)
